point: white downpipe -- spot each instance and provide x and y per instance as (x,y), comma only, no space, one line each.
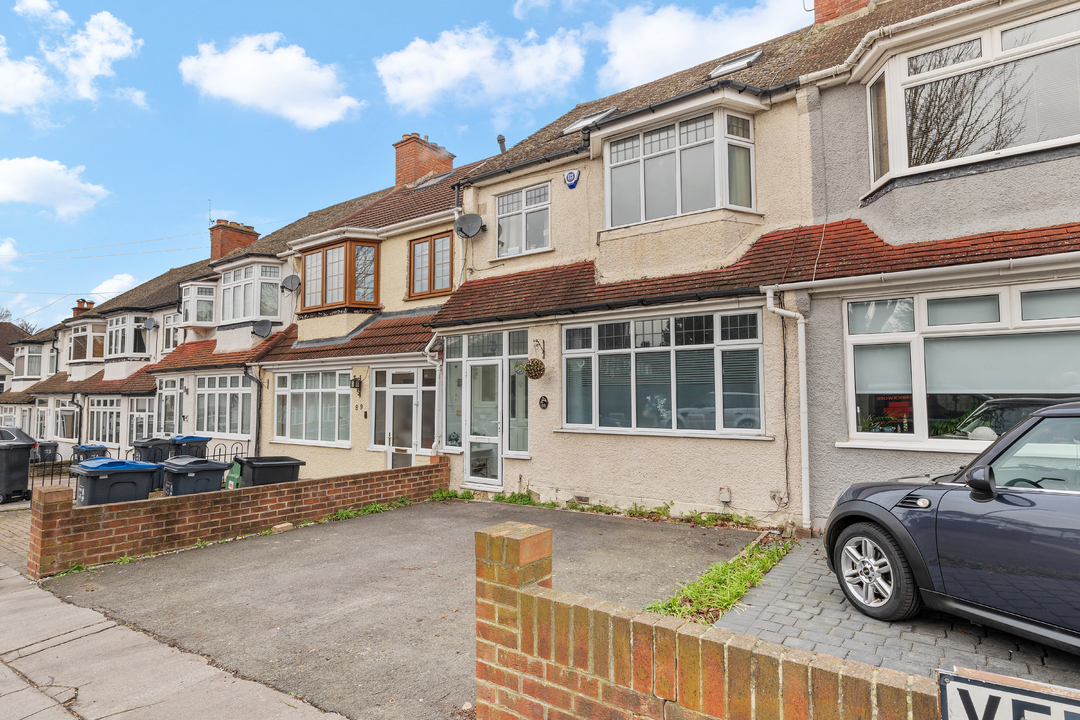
(436,444)
(804,440)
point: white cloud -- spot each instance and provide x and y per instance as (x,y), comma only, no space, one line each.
(644,45)
(44,10)
(48,182)
(255,73)
(115,285)
(475,66)
(23,83)
(91,52)
(522,7)
(8,253)
(133,96)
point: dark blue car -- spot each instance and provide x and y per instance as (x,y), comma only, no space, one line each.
(997,543)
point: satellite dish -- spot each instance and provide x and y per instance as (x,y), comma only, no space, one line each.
(468,225)
(290,283)
(261,328)
(149,323)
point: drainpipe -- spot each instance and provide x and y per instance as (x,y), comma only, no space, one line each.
(78,420)
(258,407)
(804,441)
(432,358)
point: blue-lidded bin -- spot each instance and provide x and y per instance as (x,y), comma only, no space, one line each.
(108,480)
(186,475)
(85,452)
(192,445)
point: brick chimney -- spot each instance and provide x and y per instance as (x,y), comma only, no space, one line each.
(826,10)
(226,236)
(416,157)
(82,306)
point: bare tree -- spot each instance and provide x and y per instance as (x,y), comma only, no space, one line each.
(26,325)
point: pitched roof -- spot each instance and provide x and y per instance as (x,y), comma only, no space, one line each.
(41,336)
(9,333)
(138,383)
(407,202)
(837,250)
(201,354)
(15,398)
(784,59)
(392,336)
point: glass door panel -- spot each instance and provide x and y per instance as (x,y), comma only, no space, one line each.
(484,459)
(400,448)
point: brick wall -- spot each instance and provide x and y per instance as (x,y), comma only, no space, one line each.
(226,236)
(416,157)
(546,654)
(62,535)
(826,10)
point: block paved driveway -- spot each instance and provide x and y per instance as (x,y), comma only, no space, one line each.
(374,617)
(800,604)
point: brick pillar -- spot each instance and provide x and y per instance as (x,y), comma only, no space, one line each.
(509,557)
(48,508)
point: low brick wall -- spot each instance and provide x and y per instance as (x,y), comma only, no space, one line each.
(62,534)
(546,654)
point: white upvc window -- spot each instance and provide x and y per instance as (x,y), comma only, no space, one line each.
(171,332)
(65,415)
(170,406)
(197,305)
(250,292)
(28,361)
(54,357)
(103,421)
(223,405)
(313,407)
(140,418)
(696,163)
(679,374)
(126,336)
(958,366)
(1008,89)
(524,218)
(7,416)
(87,342)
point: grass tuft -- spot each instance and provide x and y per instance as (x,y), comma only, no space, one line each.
(77,567)
(522,499)
(123,560)
(720,587)
(660,512)
(445,494)
(725,519)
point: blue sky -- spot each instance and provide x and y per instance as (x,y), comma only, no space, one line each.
(120,120)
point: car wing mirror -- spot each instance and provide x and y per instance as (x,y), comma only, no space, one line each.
(981,481)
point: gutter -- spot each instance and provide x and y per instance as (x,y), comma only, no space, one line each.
(596,307)
(804,447)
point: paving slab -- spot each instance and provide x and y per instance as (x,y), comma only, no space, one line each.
(802,583)
(375,617)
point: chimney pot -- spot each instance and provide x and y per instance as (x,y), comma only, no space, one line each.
(418,157)
(226,236)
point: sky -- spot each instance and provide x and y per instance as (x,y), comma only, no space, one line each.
(127,126)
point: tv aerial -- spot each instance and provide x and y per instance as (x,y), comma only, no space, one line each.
(468,226)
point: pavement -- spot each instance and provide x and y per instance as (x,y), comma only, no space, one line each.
(372,618)
(800,604)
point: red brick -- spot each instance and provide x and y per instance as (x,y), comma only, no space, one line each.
(795,669)
(740,674)
(621,648)
(522,706)
(688,650)
(767,657)
(580,636)
(856,680)
(665,659)
(592,710)
(547,693)
(643,652)
(891,694)
(648,706)
(825,687)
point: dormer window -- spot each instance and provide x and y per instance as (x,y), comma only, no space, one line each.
(87,342)
(126,336)
(250,292)
(1006,90)
(197,306)
(28,361)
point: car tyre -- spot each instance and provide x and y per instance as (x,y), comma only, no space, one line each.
(874,574)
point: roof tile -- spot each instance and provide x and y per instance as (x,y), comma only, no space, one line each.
(393,336)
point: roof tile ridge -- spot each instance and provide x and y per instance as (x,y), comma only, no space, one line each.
(267,346)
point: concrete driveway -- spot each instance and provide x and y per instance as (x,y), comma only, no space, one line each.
(374,617)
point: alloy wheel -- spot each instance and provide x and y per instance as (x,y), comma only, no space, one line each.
(866,571)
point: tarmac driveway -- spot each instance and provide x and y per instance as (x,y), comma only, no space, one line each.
(374,617)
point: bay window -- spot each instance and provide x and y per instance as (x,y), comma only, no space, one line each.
(103,421)
(126,336)
(684,374)
(313,407)
(87,342)
(430,266)
(524,219)
(197,304)
(1011,88)
(223,405)
(28,361)
(960,366)
(695,164)
(345,275)
(250,292)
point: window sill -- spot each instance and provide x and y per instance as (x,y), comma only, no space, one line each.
(964,447)
(700,217)
(311,443)
(654,433)
(502,258)
(517,456)
(452,450)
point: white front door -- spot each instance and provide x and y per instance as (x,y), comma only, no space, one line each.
(483,447)
(400,440)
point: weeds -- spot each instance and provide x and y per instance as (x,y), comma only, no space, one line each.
(200,543)
(373,508)
(725,519)
(660,512)
(720,587)
(594,508)
(77,567)
(445,494)
(343,514)
(123,560)
(521,498)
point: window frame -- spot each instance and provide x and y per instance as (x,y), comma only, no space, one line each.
(1010,324)
(256,280)
(191,294)
(720,140)
(718,347)
(125,327)
(170,332)
(898,81)
(521,214)
(22,356)
(349,280)
(288,391)
(431,265)
(243,388)
(92,332)
(63,409)
(103,423)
